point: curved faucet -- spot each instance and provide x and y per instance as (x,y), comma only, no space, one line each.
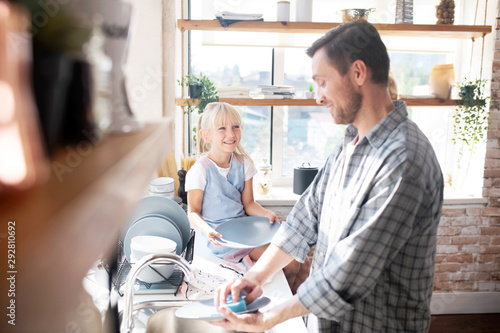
(168,258)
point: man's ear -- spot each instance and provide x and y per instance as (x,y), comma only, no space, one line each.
(359,72)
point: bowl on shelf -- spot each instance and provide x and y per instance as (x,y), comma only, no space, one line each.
(352,14)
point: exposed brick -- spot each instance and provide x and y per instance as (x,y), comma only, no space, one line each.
(447,249)
(443,240)
(486,286)
(465,240)
(449,231)
(484,258)
(486,220)
(440,258)
(465,285)
(494,220)
(487,267)
(495,240)
(471,230)
(441,276)
(462,276)
(484,276)
(475,211)
(447,268)
(445,221)
(490,230)
(458,221)
(493,202)
(445,286)
(459,258)
(453,212)
(470,248)
(494,192)
(489,211)
(492,163)
(491,249)
(484,240)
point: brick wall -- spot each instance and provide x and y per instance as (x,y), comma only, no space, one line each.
(468,250)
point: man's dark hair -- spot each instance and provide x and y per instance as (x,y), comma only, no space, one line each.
(351,41)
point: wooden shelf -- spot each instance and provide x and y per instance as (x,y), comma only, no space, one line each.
(400,30)
(64,225)
(311,102)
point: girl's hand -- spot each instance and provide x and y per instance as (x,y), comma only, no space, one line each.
(211,234)
(271,216)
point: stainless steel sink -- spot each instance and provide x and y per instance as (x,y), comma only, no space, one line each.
(159,317)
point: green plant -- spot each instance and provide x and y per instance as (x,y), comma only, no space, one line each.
(471,120)
(208,93)
(311,88)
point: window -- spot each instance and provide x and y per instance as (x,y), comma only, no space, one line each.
(291,135)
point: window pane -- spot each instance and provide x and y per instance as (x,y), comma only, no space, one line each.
(412,70)
(239,67)
(309,135)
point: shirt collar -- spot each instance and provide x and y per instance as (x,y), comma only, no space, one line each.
(379,133)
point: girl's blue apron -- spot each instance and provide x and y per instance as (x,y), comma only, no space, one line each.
(222,199)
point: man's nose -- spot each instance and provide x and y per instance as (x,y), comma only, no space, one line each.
(320,99)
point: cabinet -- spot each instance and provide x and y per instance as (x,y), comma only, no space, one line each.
(400,30)
(65,224)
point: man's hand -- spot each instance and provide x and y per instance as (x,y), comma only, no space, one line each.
(249,322)
(235,286)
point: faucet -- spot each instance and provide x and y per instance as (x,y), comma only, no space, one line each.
(168,258)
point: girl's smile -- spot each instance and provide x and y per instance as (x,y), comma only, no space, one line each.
(223,140)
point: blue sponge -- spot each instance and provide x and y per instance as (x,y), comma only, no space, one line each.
(237,307)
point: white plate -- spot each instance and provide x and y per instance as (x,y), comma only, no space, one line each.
(165,207)
(152,226)
(205,310)
(247,232)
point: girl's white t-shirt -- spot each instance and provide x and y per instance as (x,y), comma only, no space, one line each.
(196,177)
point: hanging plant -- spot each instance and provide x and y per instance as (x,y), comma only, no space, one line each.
(471,120)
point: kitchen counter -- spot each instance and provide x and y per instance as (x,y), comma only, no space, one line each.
(276,289)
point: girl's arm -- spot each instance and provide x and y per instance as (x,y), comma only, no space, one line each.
(252,208)
(195,199)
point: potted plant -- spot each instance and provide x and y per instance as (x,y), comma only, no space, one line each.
(471,120)
(310,93)
(200,87)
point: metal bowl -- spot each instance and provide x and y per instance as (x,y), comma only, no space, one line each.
(352,14)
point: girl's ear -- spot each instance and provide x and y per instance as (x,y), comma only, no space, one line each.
(204,135)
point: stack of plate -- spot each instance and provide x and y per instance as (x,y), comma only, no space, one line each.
(157,216)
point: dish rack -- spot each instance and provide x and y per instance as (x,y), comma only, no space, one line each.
(167,286)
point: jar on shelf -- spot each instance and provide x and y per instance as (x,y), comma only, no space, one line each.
(445,12)
(263,182)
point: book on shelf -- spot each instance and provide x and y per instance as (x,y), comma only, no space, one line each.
(271,96)
(226,15)
(274,89)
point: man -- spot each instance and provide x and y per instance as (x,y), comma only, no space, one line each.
(372,211)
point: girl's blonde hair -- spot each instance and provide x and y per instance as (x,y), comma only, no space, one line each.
(217,114)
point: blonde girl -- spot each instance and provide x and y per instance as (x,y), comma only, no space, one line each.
(219,184)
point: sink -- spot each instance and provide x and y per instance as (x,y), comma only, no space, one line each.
(159,317)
